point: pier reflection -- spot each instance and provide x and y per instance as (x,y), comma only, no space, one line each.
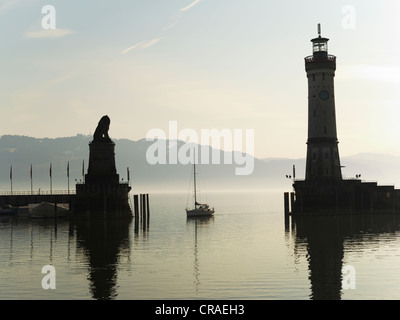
(102,242)
(326,238)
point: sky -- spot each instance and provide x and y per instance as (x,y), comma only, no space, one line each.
(206,64)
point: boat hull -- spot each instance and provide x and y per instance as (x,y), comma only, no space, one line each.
(7,211)
(199,213)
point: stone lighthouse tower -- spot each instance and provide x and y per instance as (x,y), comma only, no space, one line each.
(323,162)
(323,190)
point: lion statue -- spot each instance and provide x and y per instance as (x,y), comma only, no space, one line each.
(101,133)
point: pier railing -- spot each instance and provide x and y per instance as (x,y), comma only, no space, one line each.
(37,193)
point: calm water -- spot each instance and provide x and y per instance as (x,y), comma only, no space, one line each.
(246,251)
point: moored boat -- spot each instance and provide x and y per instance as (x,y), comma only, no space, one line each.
(200,209)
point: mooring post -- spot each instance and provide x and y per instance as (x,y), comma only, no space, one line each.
(286,201)
(136,211)
(144,209)
(292,202)
(141,207)
(148,207)
(136,206)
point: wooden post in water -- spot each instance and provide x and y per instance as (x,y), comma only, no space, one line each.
(292,202)
(141,207)
(135,205)
(144,210)
(286,201)
(148,208)
(136,211)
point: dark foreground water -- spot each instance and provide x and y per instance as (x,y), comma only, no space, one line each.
(246,251)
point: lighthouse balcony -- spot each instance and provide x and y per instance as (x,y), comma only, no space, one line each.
(320,62)
(316,58)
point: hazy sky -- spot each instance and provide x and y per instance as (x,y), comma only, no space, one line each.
(235,64)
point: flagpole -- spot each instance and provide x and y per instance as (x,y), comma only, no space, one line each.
(68,175)
(31,180)
(51,182)
(11,180)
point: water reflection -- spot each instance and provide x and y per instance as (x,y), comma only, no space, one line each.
(197,223)
(102,242)
(326,238)
(34,230)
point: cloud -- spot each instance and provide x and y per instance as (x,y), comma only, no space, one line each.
(143,45)
(133,47)
(49,34)
(195,2)
(147,44)
(180,13)
(151,43)
(170,25)
(383,73)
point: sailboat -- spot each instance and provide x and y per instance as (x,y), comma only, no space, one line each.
(200,209)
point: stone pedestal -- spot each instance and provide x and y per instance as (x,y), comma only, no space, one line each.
(101,194)
(104,201)
(102,168)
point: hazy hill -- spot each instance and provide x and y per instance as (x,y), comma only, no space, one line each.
(20,152)
(382,168)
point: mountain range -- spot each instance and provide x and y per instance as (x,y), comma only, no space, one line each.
(19,153)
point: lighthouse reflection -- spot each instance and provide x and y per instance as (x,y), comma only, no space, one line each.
(102,242)
(325,239)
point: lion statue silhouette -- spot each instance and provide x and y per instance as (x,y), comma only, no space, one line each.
(101,133)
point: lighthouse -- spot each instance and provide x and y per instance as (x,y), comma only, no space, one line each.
(323,162)
(323,190)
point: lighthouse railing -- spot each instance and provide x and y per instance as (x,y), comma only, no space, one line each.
(329,57)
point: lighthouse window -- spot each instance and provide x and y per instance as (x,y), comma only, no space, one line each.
(325,130)
(320,46)
(315,113)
